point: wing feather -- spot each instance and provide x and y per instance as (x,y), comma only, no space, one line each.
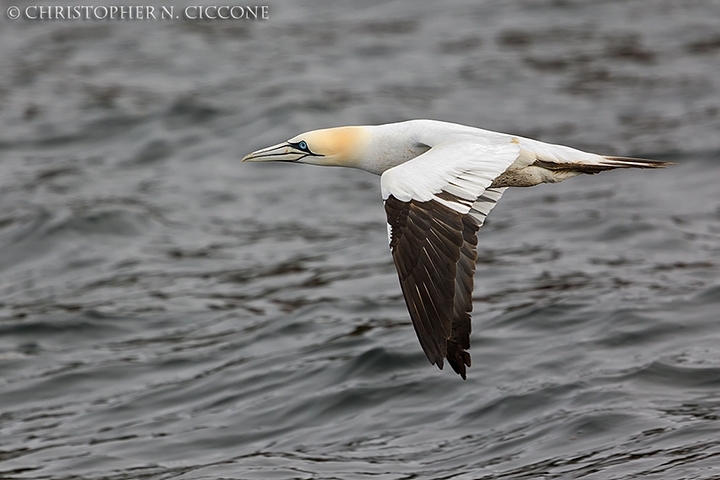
(435,205)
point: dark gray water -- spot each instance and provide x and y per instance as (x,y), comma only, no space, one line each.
(167,312)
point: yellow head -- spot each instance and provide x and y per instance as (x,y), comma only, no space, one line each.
(340,146)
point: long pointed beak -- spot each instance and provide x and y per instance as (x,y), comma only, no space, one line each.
(282,152)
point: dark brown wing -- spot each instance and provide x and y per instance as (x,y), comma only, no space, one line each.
(459,341)
(434,249)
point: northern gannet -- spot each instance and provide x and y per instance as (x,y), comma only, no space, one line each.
(439,181)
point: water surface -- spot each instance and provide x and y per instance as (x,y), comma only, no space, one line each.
(167,312)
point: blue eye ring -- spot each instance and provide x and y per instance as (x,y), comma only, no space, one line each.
(302,145)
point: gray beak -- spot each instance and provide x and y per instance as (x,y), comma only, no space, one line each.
(282,152)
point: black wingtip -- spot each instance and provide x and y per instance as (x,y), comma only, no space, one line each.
(459,368)
(458,360)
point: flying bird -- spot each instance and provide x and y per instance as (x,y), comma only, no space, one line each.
(439,181)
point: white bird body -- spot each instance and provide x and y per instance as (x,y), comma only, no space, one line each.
(439,181)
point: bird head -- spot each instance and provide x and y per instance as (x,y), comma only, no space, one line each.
(340,146)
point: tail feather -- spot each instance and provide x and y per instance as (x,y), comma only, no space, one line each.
(628,162)
(606,163)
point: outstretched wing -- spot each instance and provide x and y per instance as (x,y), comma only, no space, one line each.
(435,205)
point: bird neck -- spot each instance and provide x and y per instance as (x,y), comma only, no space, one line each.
(389,146)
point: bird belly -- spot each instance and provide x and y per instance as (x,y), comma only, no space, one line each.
(530,175)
